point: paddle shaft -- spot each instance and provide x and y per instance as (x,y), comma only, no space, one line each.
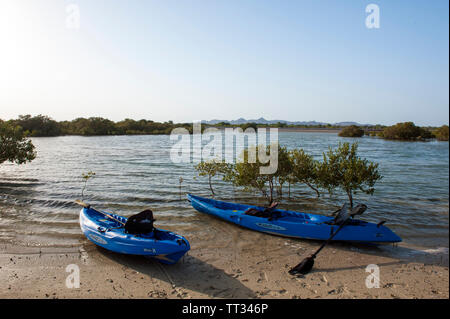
(328,240)
(107,215)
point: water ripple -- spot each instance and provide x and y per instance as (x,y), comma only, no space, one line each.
(135,172)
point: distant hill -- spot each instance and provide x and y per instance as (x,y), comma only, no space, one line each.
(264,121)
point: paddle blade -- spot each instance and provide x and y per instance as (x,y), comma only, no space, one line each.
(79,202)
(358,210)
(342,215)
(304,267)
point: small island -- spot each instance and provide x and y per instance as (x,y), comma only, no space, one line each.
(351,131)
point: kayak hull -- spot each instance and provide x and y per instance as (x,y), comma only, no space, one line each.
(167,248)
(295,224)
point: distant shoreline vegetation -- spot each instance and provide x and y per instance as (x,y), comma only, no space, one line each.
(44,126)
(351,131)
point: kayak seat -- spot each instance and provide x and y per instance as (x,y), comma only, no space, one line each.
(141,223)
(270,214)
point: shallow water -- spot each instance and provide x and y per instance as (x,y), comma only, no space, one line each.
(135,172)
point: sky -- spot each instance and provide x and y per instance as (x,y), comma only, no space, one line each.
(196,60)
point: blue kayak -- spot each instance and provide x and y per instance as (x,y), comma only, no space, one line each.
(166,247)
(295,224)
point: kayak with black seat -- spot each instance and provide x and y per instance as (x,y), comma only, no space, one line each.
(109,231)
(294,224)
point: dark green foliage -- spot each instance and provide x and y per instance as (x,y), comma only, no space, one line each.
(211,169)
(90,126)
(406,131)
(14,146)
(351,131)
(304,169)
(247,125)
(39,125)
(42,125)
(342,168)
(441,133)
(248,175)
(129,127)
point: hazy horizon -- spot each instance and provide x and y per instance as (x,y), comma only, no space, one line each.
(204,60)
(250,120)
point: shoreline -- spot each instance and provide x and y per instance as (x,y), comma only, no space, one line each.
(280,129)
(232,263)
(311,130)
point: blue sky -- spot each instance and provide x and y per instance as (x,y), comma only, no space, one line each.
(190,60)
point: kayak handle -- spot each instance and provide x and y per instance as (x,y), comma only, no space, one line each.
(104,230)
(380,223)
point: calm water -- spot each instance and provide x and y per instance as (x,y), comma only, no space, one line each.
(135,172)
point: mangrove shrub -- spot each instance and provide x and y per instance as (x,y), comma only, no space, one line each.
(351,131)
(14,146)
(212,168)
(441,133)
(406,131)
(304,169)
(247,174)
(343,168)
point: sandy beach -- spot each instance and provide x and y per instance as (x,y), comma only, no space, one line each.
(226,262)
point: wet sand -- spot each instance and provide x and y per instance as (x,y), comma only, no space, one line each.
(225,262)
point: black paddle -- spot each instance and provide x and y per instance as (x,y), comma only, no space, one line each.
(306,265)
